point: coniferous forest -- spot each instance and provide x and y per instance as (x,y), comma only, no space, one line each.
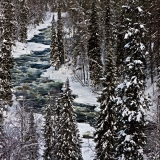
(71,63)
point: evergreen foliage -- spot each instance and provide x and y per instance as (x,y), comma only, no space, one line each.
(10,20)
(56,124)
(105,135)
(23,21)
(6,63)
(105,129)
(120,52)
(131,102)
(60,37)
(32,138)
(94,53)
(67,138)
(6,59)
(48,132)
(54,53)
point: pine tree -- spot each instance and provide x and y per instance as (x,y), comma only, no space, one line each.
(60,37)
(67,141)
(54,53)
(131,102)
(23,21)
(94,53)
(48,132)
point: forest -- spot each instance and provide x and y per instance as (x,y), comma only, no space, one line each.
(79,80)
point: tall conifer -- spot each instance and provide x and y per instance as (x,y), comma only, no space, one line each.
(32,138)
(68,142)
(60,36)
(55,55)
(6,63)
(48,132)
(131,102)
(105,136)
(23,21)
(94,51)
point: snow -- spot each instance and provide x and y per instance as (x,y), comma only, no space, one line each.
(138,61)
(85,94)
(128,138)
(88,144)
(141,26)
(139,9)
(35,30)
(21,48)
(127,35)
(142,47)
(139,116)
(128,44)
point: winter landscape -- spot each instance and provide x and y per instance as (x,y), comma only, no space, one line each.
(79,80)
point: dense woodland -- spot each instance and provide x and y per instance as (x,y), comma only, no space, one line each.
(113,48)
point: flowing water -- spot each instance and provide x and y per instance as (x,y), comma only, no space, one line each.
(26,74)
(33,89)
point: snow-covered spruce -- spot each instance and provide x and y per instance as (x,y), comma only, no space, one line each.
(60,37)
(22,37)
(31,138)
(67,136)
(105,130)
(131,102)
(48,132)
(94,53)
(54,53)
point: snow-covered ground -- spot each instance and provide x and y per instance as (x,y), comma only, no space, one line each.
(85,94)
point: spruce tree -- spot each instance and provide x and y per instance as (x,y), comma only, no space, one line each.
(32,138)
(6,51)
(94,52)
(48,132)
(67,141)
(6,63)
(105,129)
(56,123)
(60,36)
(10,20)
(54,53)
(131,102)
(119,28)
(23,21)
(105,135)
